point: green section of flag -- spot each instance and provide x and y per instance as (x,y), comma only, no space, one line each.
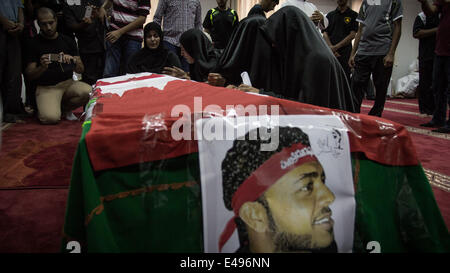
(156,207)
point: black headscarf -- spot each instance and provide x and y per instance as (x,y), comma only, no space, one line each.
(257,10)
(201,49)
(238,56)
(303,67)
(146,59)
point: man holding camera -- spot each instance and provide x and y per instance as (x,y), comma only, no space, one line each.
(53,57)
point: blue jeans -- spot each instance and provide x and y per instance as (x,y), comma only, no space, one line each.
(177,51)
(441,88)
(118,54)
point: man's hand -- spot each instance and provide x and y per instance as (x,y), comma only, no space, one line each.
(334,49)
(8,25)
(66,58)
(113,36)
(176,72)
(317,17)
(351,61)
(388,60)
(86,21)
(215,79)
(45,60)
(248,88)
(101,14)
(16,30)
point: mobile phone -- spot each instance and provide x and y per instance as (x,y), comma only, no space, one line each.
(88,12)
(55,57)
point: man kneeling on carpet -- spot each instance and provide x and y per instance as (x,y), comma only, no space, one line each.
(52,59)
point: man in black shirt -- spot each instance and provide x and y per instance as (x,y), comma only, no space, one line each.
(263,7)
(340,33)
(90,33)
(220,22)
(53,57)
(424,29)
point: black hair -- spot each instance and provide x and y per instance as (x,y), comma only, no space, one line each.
(246,156)
(153,26)
(45,10)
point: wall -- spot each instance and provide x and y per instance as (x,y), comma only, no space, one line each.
(206,5)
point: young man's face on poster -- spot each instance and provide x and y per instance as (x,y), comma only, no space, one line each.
(299,205)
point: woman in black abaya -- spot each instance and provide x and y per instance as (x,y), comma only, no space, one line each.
(303,67)
(239,54)
(153,57)
(201,55)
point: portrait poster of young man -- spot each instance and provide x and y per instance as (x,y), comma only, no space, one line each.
(285,186)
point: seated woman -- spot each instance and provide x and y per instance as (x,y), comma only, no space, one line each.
(199,53)
(153,57)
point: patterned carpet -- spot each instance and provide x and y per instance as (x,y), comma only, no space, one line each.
(35,168)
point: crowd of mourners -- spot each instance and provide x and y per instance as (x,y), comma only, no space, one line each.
(62,47)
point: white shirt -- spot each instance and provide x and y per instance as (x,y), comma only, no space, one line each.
(308,8)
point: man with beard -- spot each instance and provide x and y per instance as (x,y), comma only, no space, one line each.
(279,198)
(53,57)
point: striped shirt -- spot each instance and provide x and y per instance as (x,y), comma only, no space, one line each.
(126,12)
(178,16)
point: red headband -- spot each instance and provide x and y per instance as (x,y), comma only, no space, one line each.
(263,178)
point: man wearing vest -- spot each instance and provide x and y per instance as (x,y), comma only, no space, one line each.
(374,50)
(219,23)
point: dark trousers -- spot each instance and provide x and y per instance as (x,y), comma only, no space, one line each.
(10,73)
(425,91)
(177,50)
(441,88)
(343,60)
(364,66)
(94,65)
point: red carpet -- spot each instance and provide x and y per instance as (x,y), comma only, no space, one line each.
(31,221)
(35,155)
(35,168)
